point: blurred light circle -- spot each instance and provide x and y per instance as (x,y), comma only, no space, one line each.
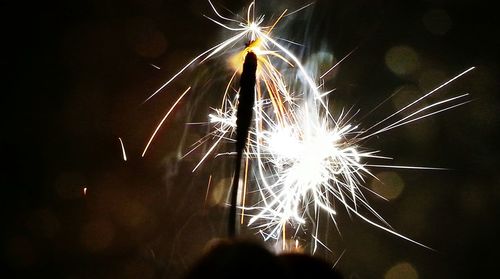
(389,184)
(402,270)
(402,60)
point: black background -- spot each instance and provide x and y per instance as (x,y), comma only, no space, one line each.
(75,75)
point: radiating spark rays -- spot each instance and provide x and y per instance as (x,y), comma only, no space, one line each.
(421,117)
(423,97)
(293,176)
(405,121)
(303,158)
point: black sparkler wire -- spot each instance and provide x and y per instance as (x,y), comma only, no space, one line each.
(244,114)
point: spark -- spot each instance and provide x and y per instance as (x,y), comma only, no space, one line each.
(124,154)
(208,188)
(163,120)
(339,258)
(301,158)
(338,63)
(154,66)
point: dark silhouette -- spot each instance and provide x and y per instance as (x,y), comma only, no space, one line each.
(305,266)
(245,259)
(244,114)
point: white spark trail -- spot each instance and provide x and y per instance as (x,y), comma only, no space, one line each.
(163,120)
(124,154)
(421,98)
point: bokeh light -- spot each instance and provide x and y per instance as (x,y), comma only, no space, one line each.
(402,60)
(388,184)
(401,270)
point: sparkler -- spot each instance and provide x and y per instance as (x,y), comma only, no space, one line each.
(244,115)
(302,156)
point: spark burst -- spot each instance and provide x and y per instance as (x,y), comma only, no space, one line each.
(303,157)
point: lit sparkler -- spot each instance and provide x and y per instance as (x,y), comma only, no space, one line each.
(303,157)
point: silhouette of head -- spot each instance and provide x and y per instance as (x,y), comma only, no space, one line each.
(244,259)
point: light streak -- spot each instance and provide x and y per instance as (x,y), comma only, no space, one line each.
(208,188)
(154,66)
(303,157)
(124,154)
(339,258)
(163,120)
(338,63)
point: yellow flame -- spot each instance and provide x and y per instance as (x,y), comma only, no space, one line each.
(236,61)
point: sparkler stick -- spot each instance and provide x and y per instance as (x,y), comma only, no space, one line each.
(244,114)
(303,157)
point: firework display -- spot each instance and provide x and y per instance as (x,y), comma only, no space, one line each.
(133,148)
(302,159)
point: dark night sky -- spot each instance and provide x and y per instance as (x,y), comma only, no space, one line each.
(76,74)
